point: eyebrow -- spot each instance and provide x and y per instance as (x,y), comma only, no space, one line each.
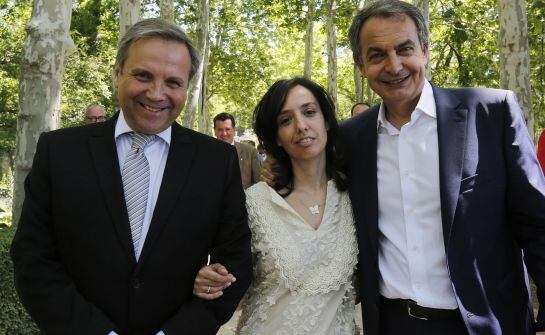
(305,105)
(408,42)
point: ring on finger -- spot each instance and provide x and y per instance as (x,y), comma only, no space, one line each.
(208,289)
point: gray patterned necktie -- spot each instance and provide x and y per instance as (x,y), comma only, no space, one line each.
(136,184)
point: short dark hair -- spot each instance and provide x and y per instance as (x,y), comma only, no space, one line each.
(159,28)
(358,104)
(385,9)
(223,117)
(266,128)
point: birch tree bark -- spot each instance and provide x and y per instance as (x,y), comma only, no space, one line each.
(309,39)
(359,84)
(424,7)
(47,45)
(166,8)
(204,112)
(515,56)
(129,14)
(196,83)
(331,51)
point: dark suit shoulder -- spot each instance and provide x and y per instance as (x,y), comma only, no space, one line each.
(190,135)
(472,96)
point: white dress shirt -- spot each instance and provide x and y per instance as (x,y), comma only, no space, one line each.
(156,153)
(412,259)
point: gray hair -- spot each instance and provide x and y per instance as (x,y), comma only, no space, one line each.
(385,9)
(156,28)
(92,106)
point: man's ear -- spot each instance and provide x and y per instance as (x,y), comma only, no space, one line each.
(361,67)
(426,52)
(117,73)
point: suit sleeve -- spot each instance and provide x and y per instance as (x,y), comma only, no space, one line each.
(256,167)
(44,287)
(231,248)
(526,198)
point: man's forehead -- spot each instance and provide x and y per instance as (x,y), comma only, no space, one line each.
(224,124)
(388,30)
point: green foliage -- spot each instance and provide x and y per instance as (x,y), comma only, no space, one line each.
(13,318)
(536,41)
(464,53)
(12,36)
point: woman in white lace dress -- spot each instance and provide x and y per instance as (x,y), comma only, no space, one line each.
(303,235)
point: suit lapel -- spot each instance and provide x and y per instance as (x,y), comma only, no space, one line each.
(104,153)
(364,173)
(176,172)
(451,130)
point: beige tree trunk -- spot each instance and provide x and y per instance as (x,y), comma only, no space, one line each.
(514,55)
(47,45)
(195,86)
(424,7)
(359,81)
(166,8)
(204,112)
(331,51)
(359,85)
(129,14)
(309,39)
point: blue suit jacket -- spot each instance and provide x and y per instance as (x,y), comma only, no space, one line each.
(492,207)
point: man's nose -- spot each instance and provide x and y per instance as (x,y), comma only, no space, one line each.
(393,64)
(156,91)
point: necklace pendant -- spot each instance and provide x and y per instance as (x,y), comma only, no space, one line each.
(314,210)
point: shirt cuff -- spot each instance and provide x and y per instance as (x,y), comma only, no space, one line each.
(112,333)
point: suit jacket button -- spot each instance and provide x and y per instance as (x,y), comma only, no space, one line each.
(469,315)
(136,283)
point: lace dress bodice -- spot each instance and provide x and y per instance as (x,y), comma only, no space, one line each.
(303,277)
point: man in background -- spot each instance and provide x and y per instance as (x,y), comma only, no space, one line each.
(94,114)
(359,108)
(224,128)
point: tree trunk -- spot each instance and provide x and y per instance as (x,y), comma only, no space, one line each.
(359,85)
(167,9)
(47,45)
(204,113)
(309,39)
(514,55)
(331,51)
(195,86)
(129,14)
(424,7)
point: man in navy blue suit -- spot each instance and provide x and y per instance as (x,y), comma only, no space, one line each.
(448,196)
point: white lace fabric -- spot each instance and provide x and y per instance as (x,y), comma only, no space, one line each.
(302,276)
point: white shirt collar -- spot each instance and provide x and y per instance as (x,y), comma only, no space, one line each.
(121,127)
(426,105)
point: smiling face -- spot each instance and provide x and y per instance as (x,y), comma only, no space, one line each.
(152,85)
(393,61)
(302,130)
(224,130)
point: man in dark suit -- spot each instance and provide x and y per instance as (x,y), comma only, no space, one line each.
(447,193)
(224,128)
(119,216)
